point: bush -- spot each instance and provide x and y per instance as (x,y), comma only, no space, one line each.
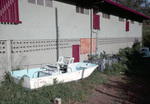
(146,39)
(115,68)
(136,64)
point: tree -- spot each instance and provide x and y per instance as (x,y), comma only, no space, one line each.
(146,39)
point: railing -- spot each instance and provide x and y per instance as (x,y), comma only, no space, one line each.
(9,11)
(28,66)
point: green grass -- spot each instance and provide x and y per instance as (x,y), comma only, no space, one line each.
(11,93)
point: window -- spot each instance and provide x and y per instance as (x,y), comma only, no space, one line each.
(105,15)
(121,19)
(96,21)
(46,3)
(40,2)
(127,25)
(86,11)
(9,12)
(82,10)
(32,1)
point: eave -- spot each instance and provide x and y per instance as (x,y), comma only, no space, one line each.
(114,8)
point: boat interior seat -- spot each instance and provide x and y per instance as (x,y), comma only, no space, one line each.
(60,61)
(64,64)
(71,60)
(64,61)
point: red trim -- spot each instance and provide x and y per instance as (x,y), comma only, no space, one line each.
(96,21)
(7,14)
(9,11)
(123,7)
(13,4)
(11,21)
(127,25)
(2,9)
(17,10)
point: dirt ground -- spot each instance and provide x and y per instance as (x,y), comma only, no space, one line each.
(121,90)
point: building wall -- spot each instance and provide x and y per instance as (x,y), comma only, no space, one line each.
(39,22)
(34,40)
(112,34)
(3,58)
(28,52)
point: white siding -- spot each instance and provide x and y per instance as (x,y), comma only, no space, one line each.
(39,25)
(39,22)
(112,34)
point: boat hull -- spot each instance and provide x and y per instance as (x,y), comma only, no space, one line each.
(34,83)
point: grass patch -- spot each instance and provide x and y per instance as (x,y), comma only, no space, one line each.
(68,92)
(115,69)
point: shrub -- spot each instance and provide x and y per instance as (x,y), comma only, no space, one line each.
(134,61)
(146,39)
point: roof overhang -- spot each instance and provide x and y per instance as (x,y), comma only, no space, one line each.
(114,8)
(110,7)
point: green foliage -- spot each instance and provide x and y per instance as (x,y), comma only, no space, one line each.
(95,78)
(146,39)
(131,53)
(136,64)
(115,69)
(103,55)
(92,57)
(146,36)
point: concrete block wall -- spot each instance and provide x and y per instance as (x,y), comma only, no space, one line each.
(29,52)
(112,45)
(19,53)
(3,58)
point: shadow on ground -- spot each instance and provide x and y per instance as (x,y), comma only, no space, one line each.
(126,90)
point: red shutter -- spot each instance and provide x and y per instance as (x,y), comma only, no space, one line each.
(96,21)
(9,11)
(127,25)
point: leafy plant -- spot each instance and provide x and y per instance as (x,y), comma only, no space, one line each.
(146,39)
(92,57)
(103,55)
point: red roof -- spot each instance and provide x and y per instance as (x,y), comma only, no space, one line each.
(123,7)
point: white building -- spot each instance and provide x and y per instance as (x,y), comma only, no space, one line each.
(39,31)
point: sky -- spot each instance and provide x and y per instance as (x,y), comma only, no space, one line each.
(144,3)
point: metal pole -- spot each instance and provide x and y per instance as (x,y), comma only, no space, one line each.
(97,42)
(91,26)
(57,35)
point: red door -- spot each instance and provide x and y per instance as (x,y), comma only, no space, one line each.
(75,53)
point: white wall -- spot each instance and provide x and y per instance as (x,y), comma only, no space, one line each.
(114,28)
(112,34)
(39,22)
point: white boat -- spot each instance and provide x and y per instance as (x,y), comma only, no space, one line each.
(63,71)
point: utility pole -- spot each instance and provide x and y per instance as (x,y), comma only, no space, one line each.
(57,35)
(91,26)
